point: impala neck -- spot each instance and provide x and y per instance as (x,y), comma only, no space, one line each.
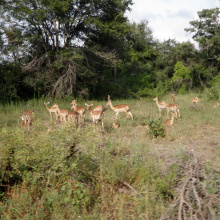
(74,107)
(47,106)
(157,102)
(58,109)
(110,103)
(90,110)
(171,121)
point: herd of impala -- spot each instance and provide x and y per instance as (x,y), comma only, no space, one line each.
(97,113)
(64,115)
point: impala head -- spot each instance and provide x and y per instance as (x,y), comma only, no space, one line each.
(46,103)
(155,99)
(88,106)
(73,102)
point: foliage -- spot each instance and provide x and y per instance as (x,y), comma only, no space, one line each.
(216,80)
(181,78)
(206,32)
(45,38)
(88,49)
(212,93)
(155,128)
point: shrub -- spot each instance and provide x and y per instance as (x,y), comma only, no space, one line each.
(155,128)
(212,93)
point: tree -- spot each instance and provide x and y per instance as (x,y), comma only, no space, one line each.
(48,37)
(138,56)
(206,31)
(181,78)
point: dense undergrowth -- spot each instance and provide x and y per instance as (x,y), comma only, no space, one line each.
(56,171)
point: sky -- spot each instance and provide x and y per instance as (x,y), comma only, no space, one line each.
(168,18)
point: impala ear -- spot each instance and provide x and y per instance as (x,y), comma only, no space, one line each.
(86,104)
(91,104)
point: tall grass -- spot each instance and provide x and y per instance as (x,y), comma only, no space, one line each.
(56,171)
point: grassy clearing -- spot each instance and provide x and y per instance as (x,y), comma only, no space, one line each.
(55,171)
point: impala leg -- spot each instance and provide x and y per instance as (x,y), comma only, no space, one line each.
(168,112)
(130,115)
(80,117)
(127,114)
(84,118)
(178,112)
(76,122)
(117,113)
(102,126)
(160,111)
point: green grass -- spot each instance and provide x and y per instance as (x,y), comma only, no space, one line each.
(54,171)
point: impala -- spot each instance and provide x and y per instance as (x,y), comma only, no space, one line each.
(120,108)
(95,115)
(27,119)
(74,115)
(80,109)
(173,98)
(98,108)
(216,105)
(195,100)
(63,113)
(169,122)
(160,105)
(173,107)
(52,109)
(115,124)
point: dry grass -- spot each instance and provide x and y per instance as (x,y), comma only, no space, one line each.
(198,128)
(134,169)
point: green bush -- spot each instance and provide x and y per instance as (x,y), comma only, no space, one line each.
(212,93)
(156,128)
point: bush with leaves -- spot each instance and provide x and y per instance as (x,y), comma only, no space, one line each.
(181,80)
(155,128)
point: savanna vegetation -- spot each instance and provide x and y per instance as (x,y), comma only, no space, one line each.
(57,51)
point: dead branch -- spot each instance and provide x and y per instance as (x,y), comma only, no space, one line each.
(67,81)
(194,201)
(130,187)
(36,62)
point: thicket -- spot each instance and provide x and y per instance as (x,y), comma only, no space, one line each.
(89,49)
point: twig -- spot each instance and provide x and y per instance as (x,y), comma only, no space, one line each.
(182,198)
(129,186)
(197,199)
